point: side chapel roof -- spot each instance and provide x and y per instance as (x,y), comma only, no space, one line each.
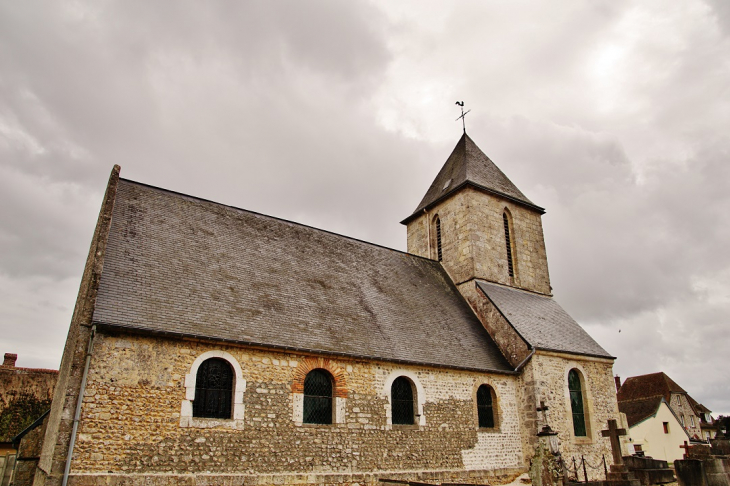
(468,165)
(541,321)
(183,266)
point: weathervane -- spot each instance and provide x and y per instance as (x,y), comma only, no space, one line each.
(463,114)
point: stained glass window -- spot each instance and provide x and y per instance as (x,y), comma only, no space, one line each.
(401,395)
(318,397)
(213,389)
(485,409)
(576,403)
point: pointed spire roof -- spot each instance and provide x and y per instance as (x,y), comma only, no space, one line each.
(467,164)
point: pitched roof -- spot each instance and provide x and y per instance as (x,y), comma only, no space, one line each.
(185,266)
(541,321)
(638,410)
(651,385)
(467,164)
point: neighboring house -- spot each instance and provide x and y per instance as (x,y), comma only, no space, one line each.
(707,422)
(654,429)
(660,385)
(238,348)
(25,394)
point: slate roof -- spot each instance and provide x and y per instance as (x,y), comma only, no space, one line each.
(467,164)
(639,410)
(651,385)
(183,266)
(541,321)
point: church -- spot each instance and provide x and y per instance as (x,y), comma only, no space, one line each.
(214,345)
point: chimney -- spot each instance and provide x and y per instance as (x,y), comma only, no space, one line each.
(10,359)
(617,379)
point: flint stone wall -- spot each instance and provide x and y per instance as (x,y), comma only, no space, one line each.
(545,378)
(130,422)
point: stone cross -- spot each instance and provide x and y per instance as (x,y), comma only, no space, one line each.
(686,448)
(614,433)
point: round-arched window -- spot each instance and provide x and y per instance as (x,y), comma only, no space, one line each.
(576,403)
(485,407)
(213,389)
(318,397)
(402,403)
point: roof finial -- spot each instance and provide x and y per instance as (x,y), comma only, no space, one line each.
(463,120)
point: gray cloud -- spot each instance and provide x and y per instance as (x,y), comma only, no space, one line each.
(339,115)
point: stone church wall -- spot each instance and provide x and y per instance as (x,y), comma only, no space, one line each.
(473,240)
(545,378)
(131,430)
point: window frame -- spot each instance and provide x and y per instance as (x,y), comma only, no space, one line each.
(494,408)
(510,247)
(438,240)
(239,387)
(585,412)
(225,410)
(419,398)
(331,397)
(407,384)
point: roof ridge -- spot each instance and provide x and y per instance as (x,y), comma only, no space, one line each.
(275,218)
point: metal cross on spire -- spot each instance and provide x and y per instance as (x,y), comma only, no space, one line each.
(463,115)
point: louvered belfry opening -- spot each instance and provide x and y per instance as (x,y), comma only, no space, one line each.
(213,389)
(508,240)
(485,409)
(576,403)
(318,397)
(401,395)
(438,239)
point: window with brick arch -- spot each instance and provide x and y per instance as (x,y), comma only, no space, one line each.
(213,389)
(577,404)
(485,407)
(318,387)
(509,244)
(439,250)
(402,401)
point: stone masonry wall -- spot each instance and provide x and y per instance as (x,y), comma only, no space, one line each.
(473,240)
(545,378)
(513,347)
(684,409)
(131,425)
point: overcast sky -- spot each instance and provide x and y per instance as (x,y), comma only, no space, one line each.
(613,115)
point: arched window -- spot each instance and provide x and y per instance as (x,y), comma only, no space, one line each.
(439,252)
(213,389)
(576,403)
(402,403)
(318,397)
(508,241)
(485,407)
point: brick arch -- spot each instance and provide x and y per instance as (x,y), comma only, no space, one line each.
(309,364)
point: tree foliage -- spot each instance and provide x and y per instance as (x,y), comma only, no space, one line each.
(21,411)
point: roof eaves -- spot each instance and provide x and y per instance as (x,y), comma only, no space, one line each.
(476,186)
(653,415)
(179,335)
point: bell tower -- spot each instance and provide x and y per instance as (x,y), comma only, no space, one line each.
(476,222)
